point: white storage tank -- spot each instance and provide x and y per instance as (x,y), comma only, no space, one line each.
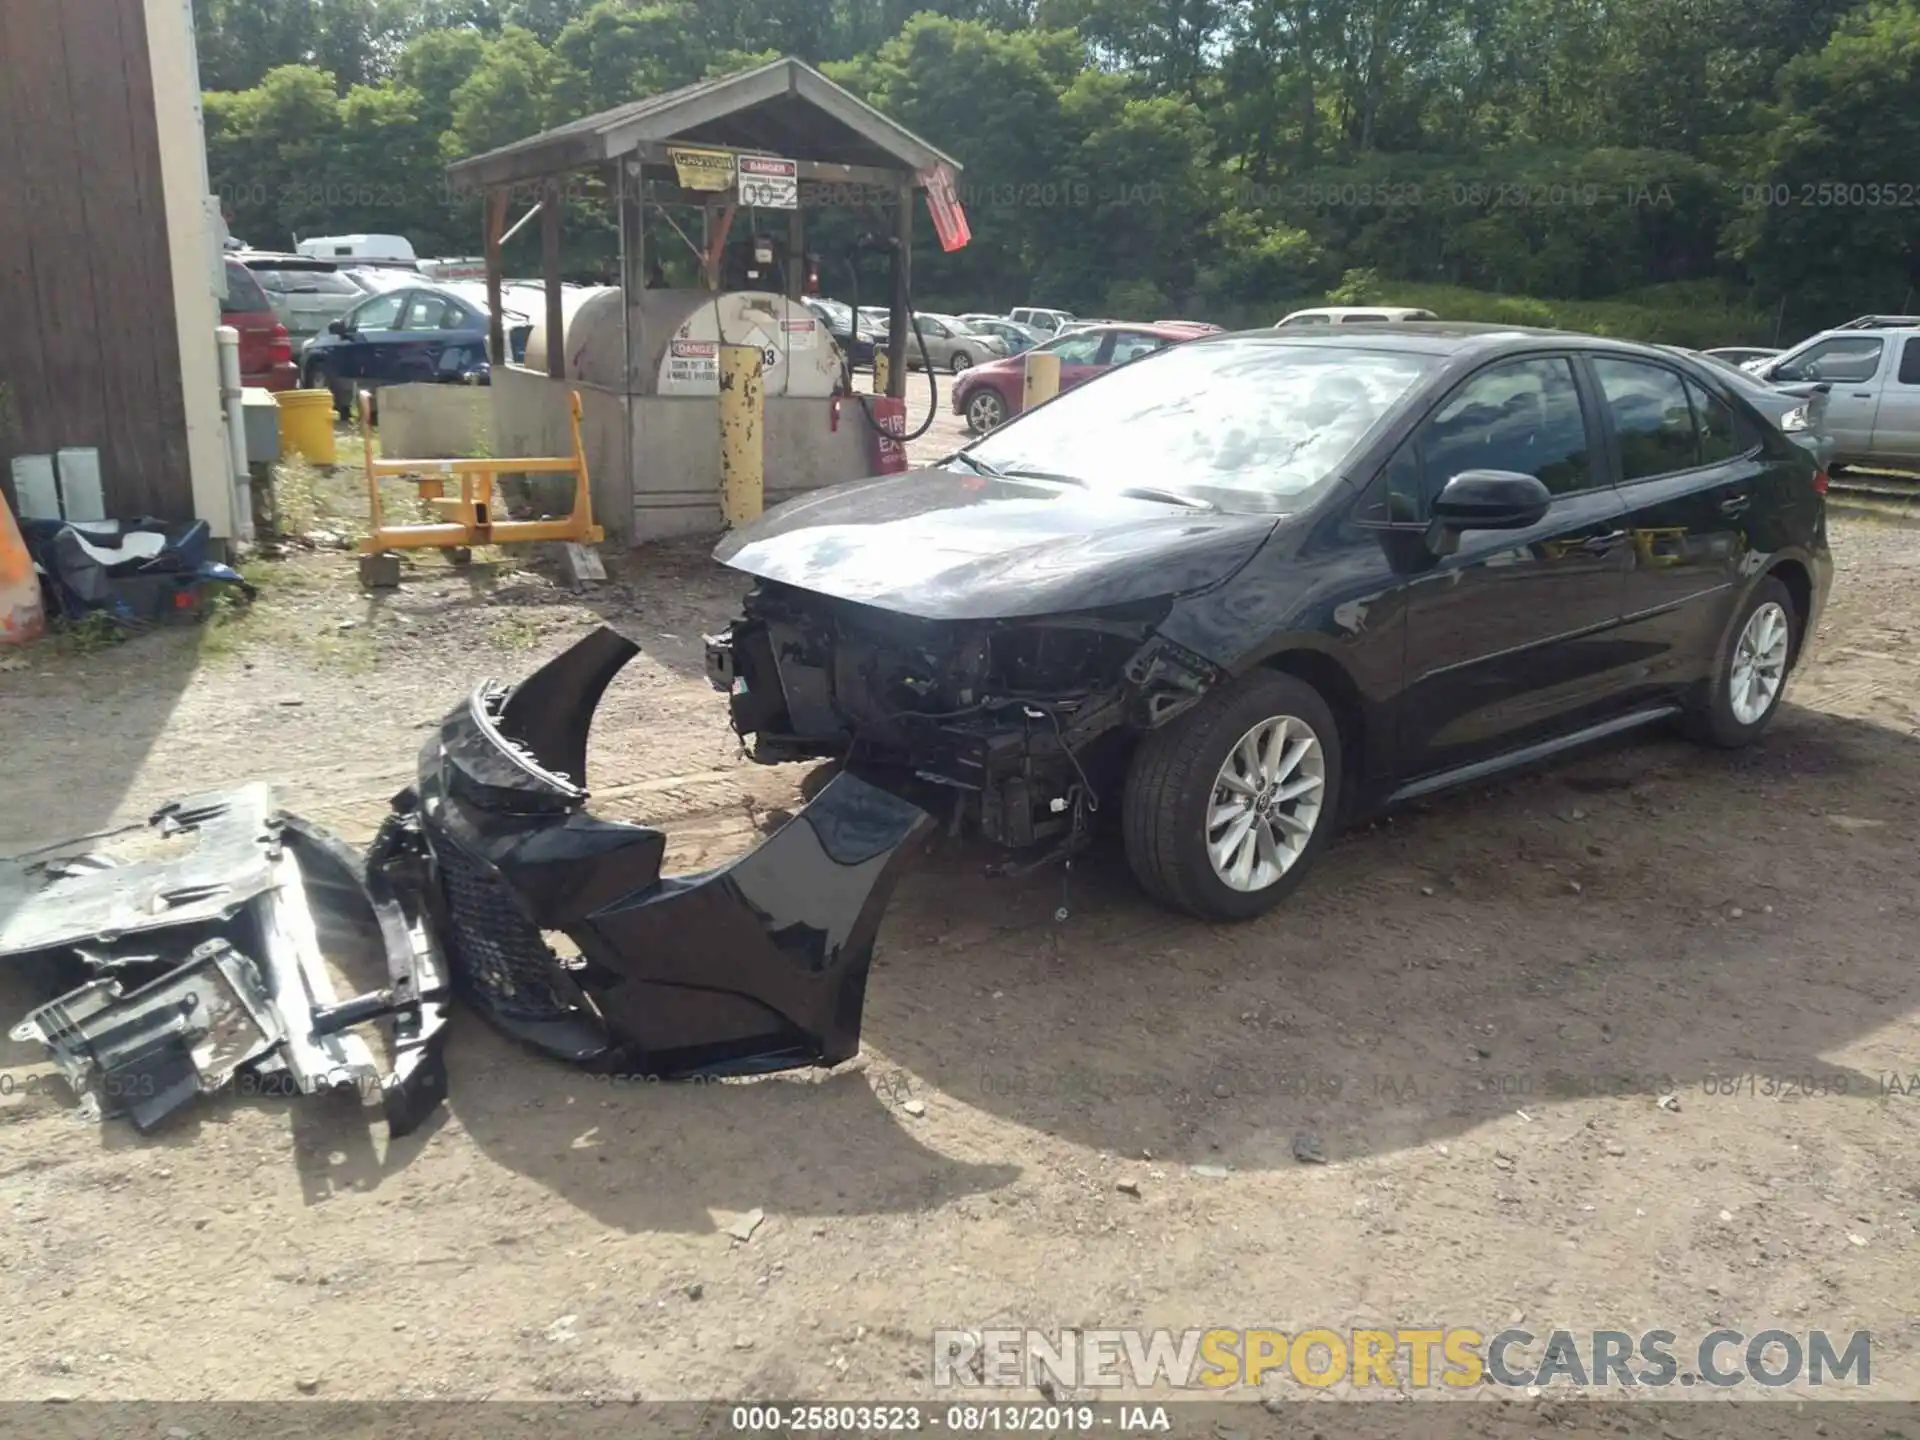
(682,331)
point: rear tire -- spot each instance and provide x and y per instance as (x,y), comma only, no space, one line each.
(1749,677)
(1227,807)
(961,361)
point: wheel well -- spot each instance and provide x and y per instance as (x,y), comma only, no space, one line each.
(1793,575)
(1336,687)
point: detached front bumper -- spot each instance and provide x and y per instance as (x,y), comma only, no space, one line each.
(759,964)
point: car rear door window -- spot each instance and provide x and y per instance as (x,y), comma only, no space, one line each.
(1910,363)
(1722,436)
(1520,415)
(428,311)
(1132,346)
(1651,415)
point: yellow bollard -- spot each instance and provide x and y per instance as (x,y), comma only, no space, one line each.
(742,448)
(880,372)
(1042,378)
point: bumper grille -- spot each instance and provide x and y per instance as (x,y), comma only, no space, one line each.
(498,953)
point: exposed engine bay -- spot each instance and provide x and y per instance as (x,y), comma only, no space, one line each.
(1025,723)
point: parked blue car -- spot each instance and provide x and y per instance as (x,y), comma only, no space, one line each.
(415,334)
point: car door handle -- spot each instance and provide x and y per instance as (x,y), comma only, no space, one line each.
(1863,394)
(1601,544)
(1735,504)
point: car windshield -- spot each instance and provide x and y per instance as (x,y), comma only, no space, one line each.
(1241,425)
(956,325)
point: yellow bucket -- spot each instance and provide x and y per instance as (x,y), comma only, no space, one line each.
(306,425)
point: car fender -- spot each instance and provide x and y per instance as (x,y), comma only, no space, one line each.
(757,964)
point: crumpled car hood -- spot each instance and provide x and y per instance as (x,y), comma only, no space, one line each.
(947,545)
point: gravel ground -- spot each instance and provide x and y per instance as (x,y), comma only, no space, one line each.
(1472,1008)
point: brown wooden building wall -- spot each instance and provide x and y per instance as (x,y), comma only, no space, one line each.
(88,350)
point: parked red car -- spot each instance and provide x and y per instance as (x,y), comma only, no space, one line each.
(989,393)
(266,350)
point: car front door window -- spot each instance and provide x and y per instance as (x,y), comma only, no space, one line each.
(1076,349)
(1849,361)
(1522,416)
(380,313)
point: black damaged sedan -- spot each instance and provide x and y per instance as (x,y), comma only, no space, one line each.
(1253,587)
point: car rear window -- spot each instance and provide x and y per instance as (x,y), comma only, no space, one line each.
(304,282)
(244,295)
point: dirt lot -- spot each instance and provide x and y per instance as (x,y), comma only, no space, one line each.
(1473,1008)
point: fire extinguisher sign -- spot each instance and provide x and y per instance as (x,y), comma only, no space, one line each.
(949,220)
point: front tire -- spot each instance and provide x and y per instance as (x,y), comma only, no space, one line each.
(985,410)
(1750,674)
(1227,807)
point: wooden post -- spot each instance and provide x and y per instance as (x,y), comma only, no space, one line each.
(715,239)
(493,225)
(900,326)
(550,266)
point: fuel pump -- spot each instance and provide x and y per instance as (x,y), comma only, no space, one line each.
(754,262)
(886,415)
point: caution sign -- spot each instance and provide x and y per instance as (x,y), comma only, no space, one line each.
(702,169)
(769,184)
(800,334)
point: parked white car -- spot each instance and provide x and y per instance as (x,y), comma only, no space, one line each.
(1353,315)
(1047,322)
(1873,394)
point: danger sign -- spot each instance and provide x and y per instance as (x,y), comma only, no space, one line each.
(769,184)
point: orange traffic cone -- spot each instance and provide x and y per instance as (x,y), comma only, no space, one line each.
(21,616)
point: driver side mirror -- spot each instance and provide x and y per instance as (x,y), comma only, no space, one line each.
(1485,500)
(338,327)
(1785,370)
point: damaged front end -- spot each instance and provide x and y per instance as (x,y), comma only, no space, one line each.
(565,934)
(205,944)
(1022,723)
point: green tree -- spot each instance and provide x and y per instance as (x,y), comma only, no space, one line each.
(1830,222)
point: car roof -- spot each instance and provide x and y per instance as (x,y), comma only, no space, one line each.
(1356,310)
(1434,337)
(1861,332)
(1137,327)
(275,260)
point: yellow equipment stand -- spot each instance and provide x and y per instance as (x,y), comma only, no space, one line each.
(469,515)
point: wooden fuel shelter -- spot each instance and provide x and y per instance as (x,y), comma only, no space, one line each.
(841,152)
